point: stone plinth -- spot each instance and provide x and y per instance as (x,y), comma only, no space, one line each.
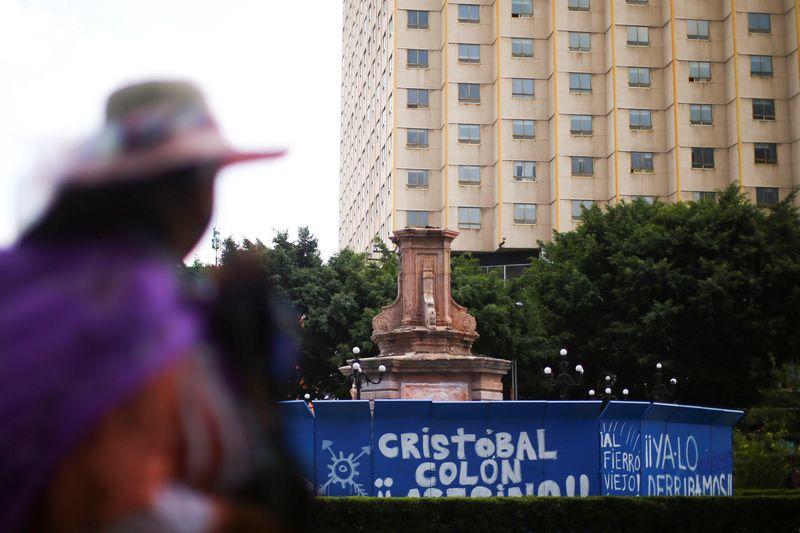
(425,337)
(434,376)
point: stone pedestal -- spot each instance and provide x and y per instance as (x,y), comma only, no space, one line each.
(435,376)
(425,337)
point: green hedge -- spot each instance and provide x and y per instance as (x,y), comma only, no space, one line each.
(739,513)
(768,492)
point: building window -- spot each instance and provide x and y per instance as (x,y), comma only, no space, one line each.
(524,171)
(469,174)
(649,200)
(469,217)
(639,77)
(697,30)
(638,36)
(701,196)
(418,179)
(583,166)
(417,20)
(521,47)
(766,196)
(580,82)
(524,213)
(580,125)
(641,119)
(417,98)
(758,23)
(523,129)
(761,66)
(469,92)
(766,153)
(469,53)
(580,41)
(763,109)
(469,133)
(578,206)
(522,88)
(417,58)
(699,71)
(417,138)
(417,218)
(578,5)
(702,158)
(521,8)
(469,13)
(701,115)
(641,162)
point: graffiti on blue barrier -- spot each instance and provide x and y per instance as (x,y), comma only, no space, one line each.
(621,462)
(479,449)
(462,463)
(343,470)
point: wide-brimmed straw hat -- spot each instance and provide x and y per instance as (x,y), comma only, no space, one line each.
(150,128)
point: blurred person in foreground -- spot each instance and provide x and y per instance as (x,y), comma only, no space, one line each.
(126,404)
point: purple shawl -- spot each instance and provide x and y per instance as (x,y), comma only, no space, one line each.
(81,330)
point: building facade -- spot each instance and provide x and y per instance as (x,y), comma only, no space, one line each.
(501,119)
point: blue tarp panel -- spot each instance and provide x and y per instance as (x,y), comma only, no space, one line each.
(721,457)
(402,442)
(515,427)
(621,447)
(343,448)
(298,424)
(678,453)
(458,469)
(568,448)
(616,410)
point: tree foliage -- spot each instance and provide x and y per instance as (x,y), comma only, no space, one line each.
(710,289)
(334,302)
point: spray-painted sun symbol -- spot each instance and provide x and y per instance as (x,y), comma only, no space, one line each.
(343,471)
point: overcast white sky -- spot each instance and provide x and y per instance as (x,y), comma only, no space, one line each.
(270,68)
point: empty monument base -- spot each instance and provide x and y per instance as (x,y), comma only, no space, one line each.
(434,376)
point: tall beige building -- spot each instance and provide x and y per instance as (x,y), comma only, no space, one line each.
(501,118)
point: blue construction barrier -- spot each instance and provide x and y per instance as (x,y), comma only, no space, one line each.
(535,448)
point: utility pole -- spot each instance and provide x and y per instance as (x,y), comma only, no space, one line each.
(215,244)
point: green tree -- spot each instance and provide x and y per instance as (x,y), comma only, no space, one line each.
(507,320)
(710,289)
(333,302)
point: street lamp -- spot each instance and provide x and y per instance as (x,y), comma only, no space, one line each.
(358,377)
(606,385)
(563,382)
(660,392)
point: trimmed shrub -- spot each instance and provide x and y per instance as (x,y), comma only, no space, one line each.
(761,459)
(769,492)
(531,514)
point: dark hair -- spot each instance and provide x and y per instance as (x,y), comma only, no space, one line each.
(148,211)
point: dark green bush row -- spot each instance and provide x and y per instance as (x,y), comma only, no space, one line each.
(768,492)
(740,513)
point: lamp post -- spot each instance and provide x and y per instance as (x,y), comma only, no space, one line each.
(514,369)
(563,382)
(358,377)
(606,385)
(660,392)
